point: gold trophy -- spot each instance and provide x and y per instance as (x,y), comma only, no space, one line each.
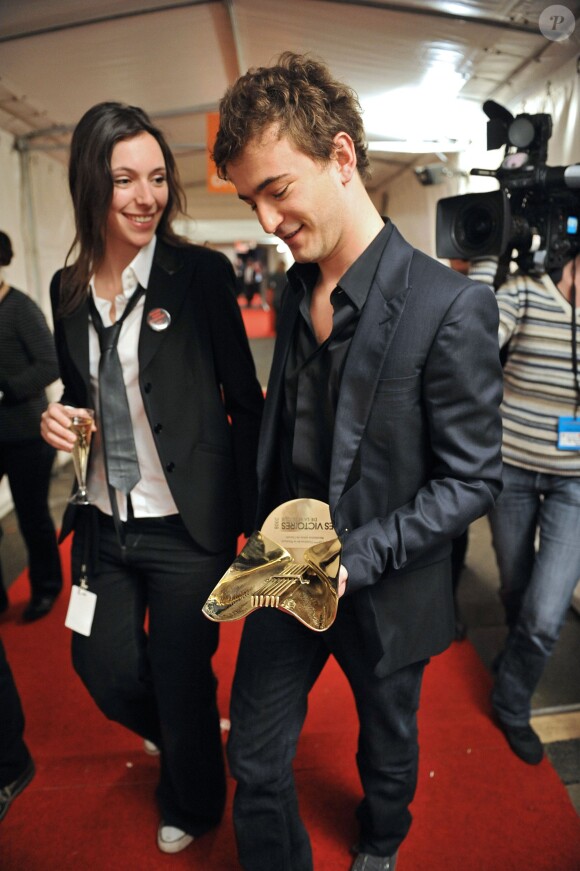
(81,423)
(292,564)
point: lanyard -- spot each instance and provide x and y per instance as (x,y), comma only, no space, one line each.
(575,339)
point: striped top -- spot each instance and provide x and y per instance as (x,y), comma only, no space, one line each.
(539,383)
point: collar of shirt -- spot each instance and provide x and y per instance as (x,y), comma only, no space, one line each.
(356,281)
(151,497)
(136,273)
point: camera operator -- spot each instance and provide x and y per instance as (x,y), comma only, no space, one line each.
(541,454)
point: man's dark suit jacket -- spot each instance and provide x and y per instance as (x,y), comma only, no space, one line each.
(416,453)
(199,388)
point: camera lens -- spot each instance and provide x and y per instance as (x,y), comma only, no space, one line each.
(475,228)
(472,225)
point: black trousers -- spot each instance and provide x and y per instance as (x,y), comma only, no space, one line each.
(157,680)
(28,465)
(278,663)
(14,753)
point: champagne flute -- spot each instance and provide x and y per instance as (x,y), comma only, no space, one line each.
(81,423)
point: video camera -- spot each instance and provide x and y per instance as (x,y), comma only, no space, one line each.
(536,212)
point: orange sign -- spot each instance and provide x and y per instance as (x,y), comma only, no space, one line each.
(215,184)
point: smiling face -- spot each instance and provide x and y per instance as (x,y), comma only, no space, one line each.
(296,198)
(140,193)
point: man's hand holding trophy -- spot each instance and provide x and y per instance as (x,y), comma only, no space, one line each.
(292,563)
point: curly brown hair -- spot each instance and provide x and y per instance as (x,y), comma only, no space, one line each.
(298,95)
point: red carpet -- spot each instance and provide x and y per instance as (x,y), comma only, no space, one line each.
(91,808)
(259,324)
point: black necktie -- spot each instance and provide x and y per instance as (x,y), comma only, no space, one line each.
(121,460)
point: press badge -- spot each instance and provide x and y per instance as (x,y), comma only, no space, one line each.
(569,433)
(81,610)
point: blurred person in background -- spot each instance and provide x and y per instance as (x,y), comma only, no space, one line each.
(28,364)
(278,281)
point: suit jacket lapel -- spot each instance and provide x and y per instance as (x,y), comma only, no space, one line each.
(167,288)
(370,344)
(76,330)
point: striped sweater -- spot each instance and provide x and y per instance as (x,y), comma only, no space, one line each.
(539,383)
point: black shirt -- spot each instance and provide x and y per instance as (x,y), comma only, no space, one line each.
(313,374)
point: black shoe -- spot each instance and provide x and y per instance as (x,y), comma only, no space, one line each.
(9,793)
(524,742)
(39,606)
(366,862)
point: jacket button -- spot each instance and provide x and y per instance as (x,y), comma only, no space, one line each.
(158,427)
(170,467)
(147,387)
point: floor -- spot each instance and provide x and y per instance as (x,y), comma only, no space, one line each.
(556,703)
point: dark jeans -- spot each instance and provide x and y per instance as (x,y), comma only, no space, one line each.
(536,585)
(158,681)
(278,663)
(14,754)
(28,465)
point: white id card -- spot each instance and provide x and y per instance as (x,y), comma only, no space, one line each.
(81,610)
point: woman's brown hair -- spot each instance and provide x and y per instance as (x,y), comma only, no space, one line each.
(91,188)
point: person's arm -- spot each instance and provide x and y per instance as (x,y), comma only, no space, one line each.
(507,296)
(511,305)
(461,394)
(41,368)
(484,269)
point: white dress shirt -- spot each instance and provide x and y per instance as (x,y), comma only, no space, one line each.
(151,496)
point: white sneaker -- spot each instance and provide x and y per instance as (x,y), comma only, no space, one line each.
(150,748)
(172,840)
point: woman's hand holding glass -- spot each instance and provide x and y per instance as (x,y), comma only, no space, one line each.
(70,429)
(55,425)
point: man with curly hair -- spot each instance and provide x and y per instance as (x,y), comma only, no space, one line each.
(383,401)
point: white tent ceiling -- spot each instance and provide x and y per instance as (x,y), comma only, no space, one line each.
(175,59)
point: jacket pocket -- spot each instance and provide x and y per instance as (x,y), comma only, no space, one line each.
(399,389)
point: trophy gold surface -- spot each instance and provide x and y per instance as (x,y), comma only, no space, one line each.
(292,564)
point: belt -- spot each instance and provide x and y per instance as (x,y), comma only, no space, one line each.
(142,524)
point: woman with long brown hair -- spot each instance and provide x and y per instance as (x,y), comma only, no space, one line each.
(162,528)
